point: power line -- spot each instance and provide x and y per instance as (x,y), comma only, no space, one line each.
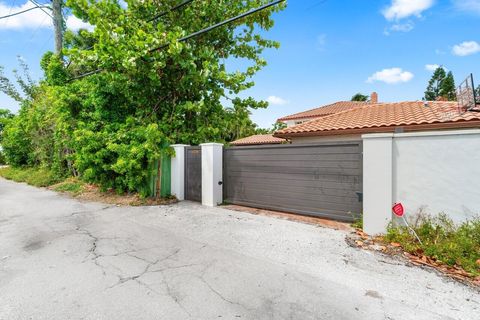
(10,10)
(182,4)
(218,25)
(179,6)
(20,12)
(34,33)
(215,26)
(38,5)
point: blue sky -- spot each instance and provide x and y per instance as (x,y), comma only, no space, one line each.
(329,50)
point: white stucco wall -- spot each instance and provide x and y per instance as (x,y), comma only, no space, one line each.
(377,182)
(212,174)
(434,172)
(439,171)
(178,171)
(356,137)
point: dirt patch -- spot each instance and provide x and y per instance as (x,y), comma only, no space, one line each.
(360,239)
(293,217)
(93,193)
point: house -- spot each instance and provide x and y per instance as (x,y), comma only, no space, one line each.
(345,160)
(258,139)
(302,117)
(391,117)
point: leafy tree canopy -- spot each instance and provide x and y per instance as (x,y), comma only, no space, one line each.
(23,80)
(109,126)
(441,85)
(5,116)
(447,88)
(360,97)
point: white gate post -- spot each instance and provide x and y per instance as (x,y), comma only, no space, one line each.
(377,182)
(178,171)
(212,174)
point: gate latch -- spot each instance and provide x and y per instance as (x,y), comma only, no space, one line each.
(360,196)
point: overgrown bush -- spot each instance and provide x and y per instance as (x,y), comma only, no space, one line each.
(16,143)
(39,177)
(442,239)
(153,90)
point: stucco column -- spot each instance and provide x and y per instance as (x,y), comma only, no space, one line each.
(178,171)
(212,174)
(377,182)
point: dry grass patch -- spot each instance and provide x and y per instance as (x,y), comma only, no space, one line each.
(89,192)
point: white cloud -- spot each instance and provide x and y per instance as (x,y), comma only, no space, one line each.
(321,42)
(74,24)
(391,76)
(34,18)
(431,67)
(274,100)
(468,5)
(403,27)
(400,27)
(466,48)
(400,9)
(29,20)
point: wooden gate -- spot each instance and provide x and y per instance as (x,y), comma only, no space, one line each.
(323,180)
(193,174)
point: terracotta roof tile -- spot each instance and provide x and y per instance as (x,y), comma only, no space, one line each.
(385,115)
(325,110)
(258,139)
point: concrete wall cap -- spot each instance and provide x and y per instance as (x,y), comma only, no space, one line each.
(437,133)
(377,135)
(211,144)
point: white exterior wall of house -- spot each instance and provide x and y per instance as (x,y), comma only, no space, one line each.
(289,123)
(296,122)
(432,172)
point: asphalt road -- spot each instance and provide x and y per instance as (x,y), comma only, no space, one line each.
(64,259)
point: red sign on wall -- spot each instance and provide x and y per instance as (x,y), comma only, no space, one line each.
(398,209)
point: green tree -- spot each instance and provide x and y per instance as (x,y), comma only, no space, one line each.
(442,85)
(23,81)
(5,116)
(122,118)
(278,126)
(434,84)
(447,87)
(360,97)
(151,89)
(15,141)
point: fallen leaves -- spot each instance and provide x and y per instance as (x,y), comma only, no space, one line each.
(361,240)
(91,192)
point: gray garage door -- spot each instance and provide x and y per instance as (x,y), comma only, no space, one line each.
(323,180)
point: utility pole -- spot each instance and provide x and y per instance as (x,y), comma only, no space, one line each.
(56,15)
(58,25)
